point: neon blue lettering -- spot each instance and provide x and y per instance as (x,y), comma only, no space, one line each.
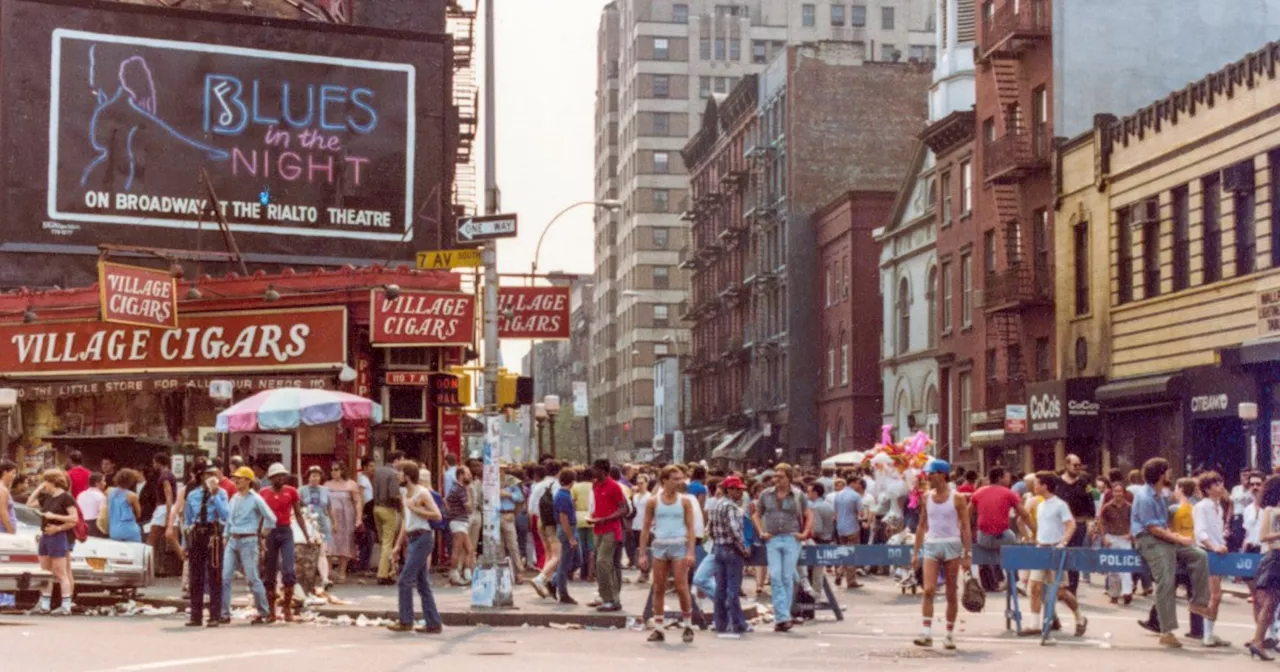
(258,117)
(372,122)
(331,94)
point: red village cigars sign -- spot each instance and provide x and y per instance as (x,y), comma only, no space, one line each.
(539,313)
(144,297)
(279,340)
(421,318)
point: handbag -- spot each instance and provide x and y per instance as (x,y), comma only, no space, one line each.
(974,597)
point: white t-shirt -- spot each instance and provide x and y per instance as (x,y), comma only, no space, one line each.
(1240,498)
(1051,521)
(1252,524)
(90,502)
(639,500)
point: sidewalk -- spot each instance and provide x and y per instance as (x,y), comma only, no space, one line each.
(362,596)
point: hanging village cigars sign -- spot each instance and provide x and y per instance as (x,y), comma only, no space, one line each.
(421,318)
(282,340)
(538,313)
(143,297)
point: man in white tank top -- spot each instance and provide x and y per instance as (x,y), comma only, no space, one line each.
(943,544)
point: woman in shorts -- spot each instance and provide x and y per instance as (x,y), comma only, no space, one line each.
(668,523)
(942,544)
(58,509)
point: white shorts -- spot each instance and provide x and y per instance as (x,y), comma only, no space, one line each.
(460,526)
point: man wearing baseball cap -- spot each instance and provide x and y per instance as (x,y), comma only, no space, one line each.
(724,525)
(248,515)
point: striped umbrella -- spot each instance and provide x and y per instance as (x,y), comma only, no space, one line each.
(290,407)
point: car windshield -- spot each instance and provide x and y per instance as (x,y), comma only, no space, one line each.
(28,515)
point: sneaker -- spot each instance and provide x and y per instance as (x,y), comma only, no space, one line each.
(656,636)
(1170,640)
(949,642)
(1082,626)
(1214,642)
(609,606)
(1049,641)
(64,610)
(687,635)
(923,641)
(540,586)
(1149,626)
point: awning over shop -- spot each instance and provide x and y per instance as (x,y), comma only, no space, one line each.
(742,449)
(1261,351)
(722,450)
(1129,391)
(986,437)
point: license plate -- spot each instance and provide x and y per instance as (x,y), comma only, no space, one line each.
(97,564)
(8,600)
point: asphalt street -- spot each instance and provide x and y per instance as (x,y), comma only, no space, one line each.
(877,632)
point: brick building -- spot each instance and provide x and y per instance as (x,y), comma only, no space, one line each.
(825,122)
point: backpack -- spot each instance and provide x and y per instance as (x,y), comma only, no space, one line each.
(82,529)
(441,525)
(547,508)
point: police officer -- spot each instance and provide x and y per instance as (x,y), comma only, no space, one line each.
(204,516)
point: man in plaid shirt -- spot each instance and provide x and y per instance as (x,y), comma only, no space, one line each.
(724,526)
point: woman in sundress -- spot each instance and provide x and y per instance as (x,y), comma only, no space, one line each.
(344,501)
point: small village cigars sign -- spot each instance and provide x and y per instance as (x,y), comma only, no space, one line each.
(143,297)
(281,340)
(538,313)
(421,319)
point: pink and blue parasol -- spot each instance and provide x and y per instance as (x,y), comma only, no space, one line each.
(290,407)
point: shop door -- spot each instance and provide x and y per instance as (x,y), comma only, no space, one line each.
(419,447)
(1217,445)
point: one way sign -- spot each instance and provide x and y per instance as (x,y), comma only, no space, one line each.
(489,227)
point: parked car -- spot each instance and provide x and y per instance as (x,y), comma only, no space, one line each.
(21,578)
(99,565)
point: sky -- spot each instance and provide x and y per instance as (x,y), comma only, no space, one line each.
(546,63)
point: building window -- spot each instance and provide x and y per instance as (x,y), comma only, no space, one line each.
(1040,122)
(735,50)
(916,52)
(661,163)
(858,16)
(661,277)
(837,15)
(1080,243)
(904,317)
(1211,206)
(722,84)
(1241,184)
(989,252)
(720,52)
(966,188)
(946,298)
(660,349)
(844,359)
(704,87)
(966,290)
(944,185)
(1040,238)
(844,278)
(680,13)
(831,366)
(661,201)
(886,18)
(1042,360)
(704,48)
(988,131)
(808,16)
(1124,255)
(661,49)
(830,294)
(661,237)
(660,314)
(661,123)
(759,51)
(1180,199)
(661,86)
(966,406)
(888,52)
(931,305)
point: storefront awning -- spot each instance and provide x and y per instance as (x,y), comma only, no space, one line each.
(1143,389)
(1261,351)
(722,450)
(986,437)
(742,449)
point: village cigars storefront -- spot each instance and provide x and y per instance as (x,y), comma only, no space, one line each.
(126,391)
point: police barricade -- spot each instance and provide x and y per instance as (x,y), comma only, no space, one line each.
(1015,559)
(860,555)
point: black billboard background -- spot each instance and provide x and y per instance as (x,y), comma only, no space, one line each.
(172,170)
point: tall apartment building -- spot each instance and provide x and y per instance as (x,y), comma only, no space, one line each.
(658,62)
(1044,69)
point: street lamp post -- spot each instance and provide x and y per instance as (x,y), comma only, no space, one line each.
(608,204)
(552,404)
(540,417)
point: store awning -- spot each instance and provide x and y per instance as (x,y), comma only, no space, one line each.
(986,437)
(1142,389)
(1261,351)
(742,449)
(722,450)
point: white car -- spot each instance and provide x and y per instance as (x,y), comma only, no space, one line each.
(21,578)
(99,565)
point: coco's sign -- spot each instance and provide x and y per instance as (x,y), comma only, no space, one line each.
(293,340)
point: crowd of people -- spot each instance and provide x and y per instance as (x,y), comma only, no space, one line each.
(686,529)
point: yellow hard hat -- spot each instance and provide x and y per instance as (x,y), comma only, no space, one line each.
(244,472)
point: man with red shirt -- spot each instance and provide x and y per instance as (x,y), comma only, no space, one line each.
(606,521)
(284,502)
(993,503)
(77,473)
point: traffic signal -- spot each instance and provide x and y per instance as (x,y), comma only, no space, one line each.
(464,385)
(507,388)
(445,390)
(524,391)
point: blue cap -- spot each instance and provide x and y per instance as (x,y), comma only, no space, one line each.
(937,467)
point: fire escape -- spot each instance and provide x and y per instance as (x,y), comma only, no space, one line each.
(461,17)
(758,276)
(1026,280)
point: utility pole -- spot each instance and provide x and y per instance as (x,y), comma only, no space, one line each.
(492,569)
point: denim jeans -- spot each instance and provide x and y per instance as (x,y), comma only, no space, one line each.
(564,570)
(200,559)
(728,576)
(242,553)
(705,576)
(279,559)
(783,553)
(414,573)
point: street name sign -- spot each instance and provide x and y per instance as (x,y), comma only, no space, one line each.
(462,258)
